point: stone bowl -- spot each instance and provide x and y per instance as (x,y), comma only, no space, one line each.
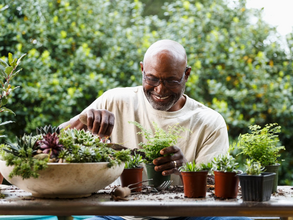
(66,180)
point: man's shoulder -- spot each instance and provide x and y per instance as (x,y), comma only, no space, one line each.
(204,113)
(123,91)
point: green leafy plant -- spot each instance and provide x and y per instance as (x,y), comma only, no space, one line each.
(261,144)
(224,163)
(253,168)
(7,73)
(21,156)
(193,167)
(135,161)
(158,140)
(32,153)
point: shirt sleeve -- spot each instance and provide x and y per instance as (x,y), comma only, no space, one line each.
(217,143)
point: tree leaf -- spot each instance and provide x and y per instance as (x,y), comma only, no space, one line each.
(4,109)
(10,59)
(8,70)
(18,61)
(6,122)
(3,63)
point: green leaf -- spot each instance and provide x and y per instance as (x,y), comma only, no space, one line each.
(10,59)
(3,63)
(18,61)
(4,109)
(8,70)
(6,122)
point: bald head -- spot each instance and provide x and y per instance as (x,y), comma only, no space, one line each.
(167,50)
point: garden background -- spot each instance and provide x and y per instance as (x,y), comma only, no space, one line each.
(77,49)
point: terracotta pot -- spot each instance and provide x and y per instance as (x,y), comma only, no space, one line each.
(130,176)
(157,177)
(1,178)
(226,184)
(256,188)
(195,184)
(273,169)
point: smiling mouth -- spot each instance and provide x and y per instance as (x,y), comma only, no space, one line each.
(160,98)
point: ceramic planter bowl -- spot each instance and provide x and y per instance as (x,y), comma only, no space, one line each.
(131,176)
(226,184)
(256,188)
(66,180)
(195,184)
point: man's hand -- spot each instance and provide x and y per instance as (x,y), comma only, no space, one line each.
(100,122)
(168,164)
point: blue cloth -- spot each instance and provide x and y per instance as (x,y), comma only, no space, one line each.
(79,217)
(27,217)
(177,218)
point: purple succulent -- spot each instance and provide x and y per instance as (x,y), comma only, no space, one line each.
(50,144)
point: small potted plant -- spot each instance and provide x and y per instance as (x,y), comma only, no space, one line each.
(256,185)
(194,177)
(262,145)
(155,142)
(132,173)
(225,170)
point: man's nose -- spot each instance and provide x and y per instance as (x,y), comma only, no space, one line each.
(161,88)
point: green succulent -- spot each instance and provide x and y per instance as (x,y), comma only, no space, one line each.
(25,147)
(253,168)
(73,136)
(135,162)
(225,163)
(21,156)
(48,129)
(193,167)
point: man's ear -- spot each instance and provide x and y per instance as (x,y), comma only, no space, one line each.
(141,66)
(187,73)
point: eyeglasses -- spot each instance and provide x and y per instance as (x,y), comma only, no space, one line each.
(153,81)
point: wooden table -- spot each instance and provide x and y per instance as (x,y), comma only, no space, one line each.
(169,203)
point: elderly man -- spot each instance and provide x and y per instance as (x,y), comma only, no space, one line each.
(160,99)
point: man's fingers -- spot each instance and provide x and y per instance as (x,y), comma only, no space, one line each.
(90,119)
(106,124)
(171,171)
(169,150)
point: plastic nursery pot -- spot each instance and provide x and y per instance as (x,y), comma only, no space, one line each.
(130,176)
(157,177)
(195,184)
(273,169)
(226,184)
(256,188)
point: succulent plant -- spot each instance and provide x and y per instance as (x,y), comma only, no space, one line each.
(135,161)
(193,167)
(225,163)
(73,136)
(48,129)
(253,168)
(25,146)
(50,145)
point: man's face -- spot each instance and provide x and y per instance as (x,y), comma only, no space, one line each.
(164,95)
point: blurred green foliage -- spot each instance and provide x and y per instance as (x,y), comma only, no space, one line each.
(77,49)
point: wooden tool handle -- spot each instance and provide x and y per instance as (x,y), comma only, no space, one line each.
(122,192)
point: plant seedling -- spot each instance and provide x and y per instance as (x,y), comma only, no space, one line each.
(261,144)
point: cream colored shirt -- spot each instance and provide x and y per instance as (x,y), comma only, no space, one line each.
(208,132)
